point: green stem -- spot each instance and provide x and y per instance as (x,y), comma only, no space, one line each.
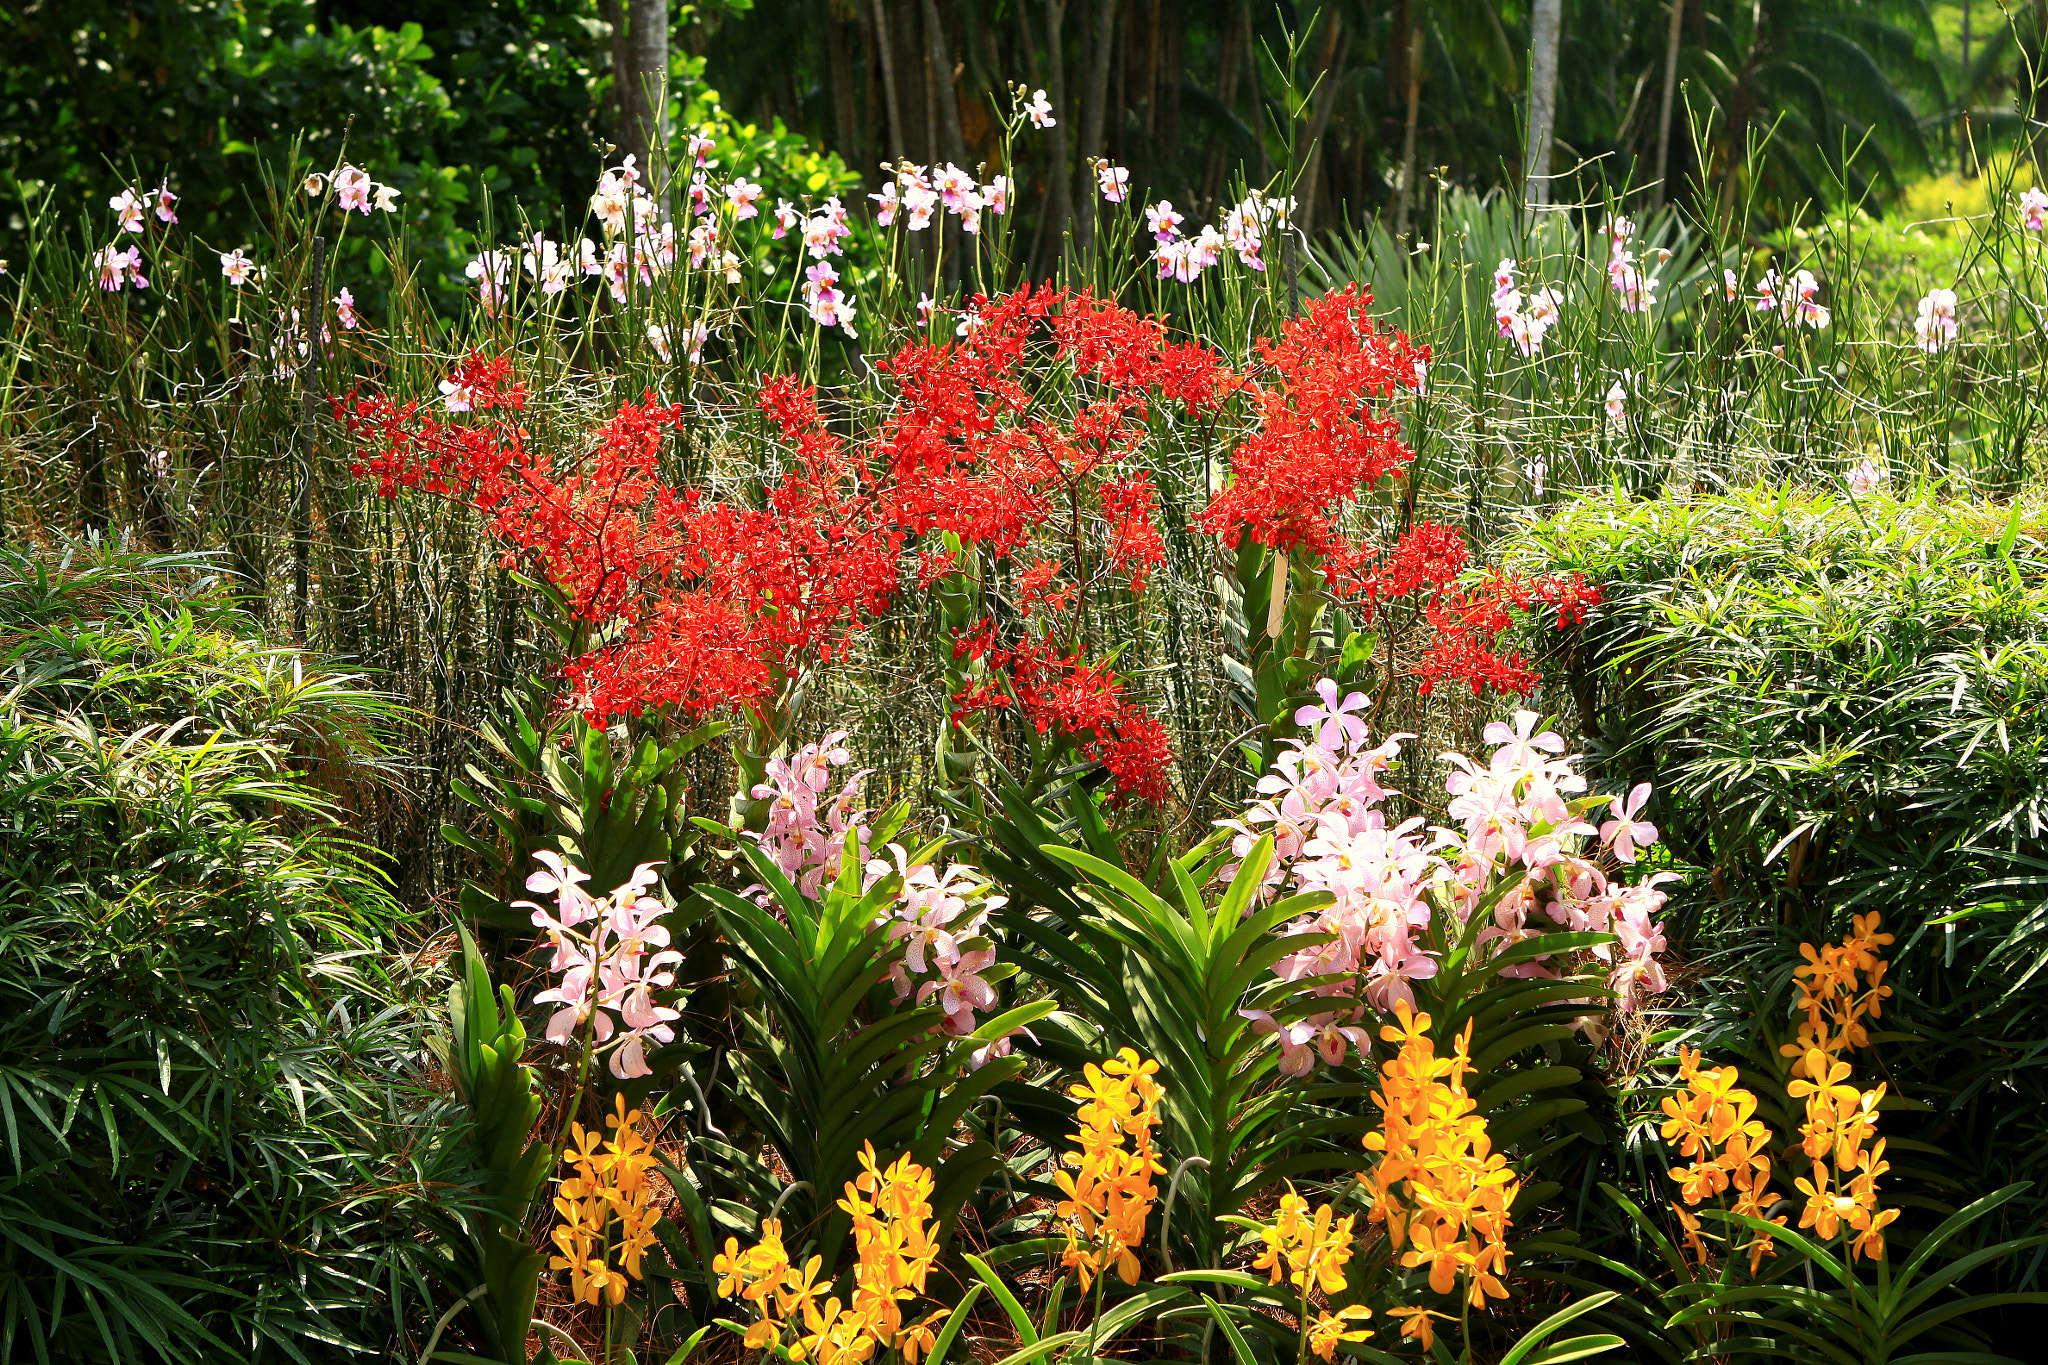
(1095,1315)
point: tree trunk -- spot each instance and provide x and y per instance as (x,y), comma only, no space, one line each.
(640,80)
(930,86)
(942,120)
(898,144)
(1319,122)
(1672,36)
(1094,104)
(1258,93)
(1405,199)
(1546,17)
(839,79)
(1150,27)
(1228,69)
(1172,71)
(945,96)
(1060,182)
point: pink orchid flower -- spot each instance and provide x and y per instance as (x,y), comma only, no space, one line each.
(1625,834)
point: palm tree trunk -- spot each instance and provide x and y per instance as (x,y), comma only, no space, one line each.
(1094,102)
(1406,195)
(898,144)
(1059,180)
(643,81)
(1545,19)
(1661,191)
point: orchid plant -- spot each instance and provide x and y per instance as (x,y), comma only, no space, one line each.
(1523,851)
(610,969)
(939,913)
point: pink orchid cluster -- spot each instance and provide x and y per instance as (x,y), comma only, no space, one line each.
(941,917)
(1936,324)
(353,190)
(806,830)
(610,969)
(1625,273)
(119,269)
(1791,298)
(238,270)
(621,205)
(639,242)
(829,305)
(129,207)
(919,194)
(492,271)
(241,272)
(823,231)
(1241,228)
(694,337)
(115,267)
(1523,319)
(1516,821)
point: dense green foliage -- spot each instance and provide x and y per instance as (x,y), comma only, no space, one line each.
(220,1137)
(476,115)
(1837,698)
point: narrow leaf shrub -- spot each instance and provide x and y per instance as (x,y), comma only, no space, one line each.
(219,1140)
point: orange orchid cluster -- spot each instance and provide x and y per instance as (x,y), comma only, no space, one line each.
(606,1203)
(1110,1192)
(1713,1121)
(1439,1186)
(1840,986)
(1310,1253)
(895,1249)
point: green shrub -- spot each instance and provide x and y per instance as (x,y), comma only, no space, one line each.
(210,1079)
(1840,701)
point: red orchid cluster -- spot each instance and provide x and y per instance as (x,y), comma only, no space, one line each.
(1469,624)
(1317,445)
(1425,565)
(1026,434)
(1021,442)
(1034,421)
